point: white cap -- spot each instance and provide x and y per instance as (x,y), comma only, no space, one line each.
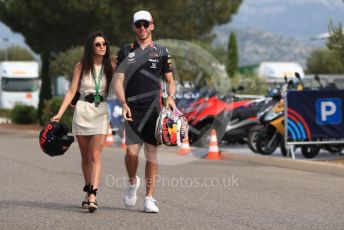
(142,15)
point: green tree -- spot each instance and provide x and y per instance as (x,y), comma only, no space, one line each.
(336,40)
(16,53)
(54,26)
(233,56)
(324,61)
(63,63)
(187,69)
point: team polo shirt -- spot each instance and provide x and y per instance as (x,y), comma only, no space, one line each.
(143,71)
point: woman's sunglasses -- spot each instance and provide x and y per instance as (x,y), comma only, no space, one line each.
(98,44)
(139,24)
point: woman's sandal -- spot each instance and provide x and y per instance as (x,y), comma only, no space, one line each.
(92,205)
(86,189)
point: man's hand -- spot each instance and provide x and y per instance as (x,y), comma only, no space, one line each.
(170,103)
(126,113)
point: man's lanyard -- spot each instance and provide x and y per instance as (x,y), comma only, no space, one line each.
(97,85)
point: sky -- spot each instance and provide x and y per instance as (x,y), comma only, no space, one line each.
(294,18)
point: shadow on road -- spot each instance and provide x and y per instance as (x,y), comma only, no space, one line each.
(58,206)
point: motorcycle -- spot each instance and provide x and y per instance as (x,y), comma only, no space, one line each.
(211,113)
(241,120)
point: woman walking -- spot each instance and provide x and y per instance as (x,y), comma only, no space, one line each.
(92,77)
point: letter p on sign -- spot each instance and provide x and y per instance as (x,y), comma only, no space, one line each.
(329,110)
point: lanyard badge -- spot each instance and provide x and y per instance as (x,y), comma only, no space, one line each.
(97,86)
(97,100)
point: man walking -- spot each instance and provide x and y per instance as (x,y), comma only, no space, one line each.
(141,66)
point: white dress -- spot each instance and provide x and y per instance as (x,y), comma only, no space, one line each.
(89,119)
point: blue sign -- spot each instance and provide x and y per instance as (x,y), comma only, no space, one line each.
(329,110)
(116,118)
(315,115)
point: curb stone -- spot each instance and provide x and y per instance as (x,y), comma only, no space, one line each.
(304,165)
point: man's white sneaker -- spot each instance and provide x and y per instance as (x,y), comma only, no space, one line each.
(130,194)
(150,205)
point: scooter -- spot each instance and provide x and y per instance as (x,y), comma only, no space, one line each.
(272,135)
(273,97)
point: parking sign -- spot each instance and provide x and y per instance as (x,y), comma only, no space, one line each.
(329,110)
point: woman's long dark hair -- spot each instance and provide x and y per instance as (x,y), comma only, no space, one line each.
(87,59)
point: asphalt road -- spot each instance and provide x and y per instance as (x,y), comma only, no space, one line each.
(40,192)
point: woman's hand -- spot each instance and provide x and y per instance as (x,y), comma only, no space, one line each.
(56,118)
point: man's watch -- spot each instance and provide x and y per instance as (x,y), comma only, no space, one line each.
(174,97)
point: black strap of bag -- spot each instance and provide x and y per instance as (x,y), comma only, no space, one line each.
(77,94)
(75,98)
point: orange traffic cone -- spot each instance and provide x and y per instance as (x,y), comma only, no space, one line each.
(123,145)
(213,153)
(109,138)
(185,148)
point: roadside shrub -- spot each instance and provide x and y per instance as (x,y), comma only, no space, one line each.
(5,113)
(51,107)
(252,84)
(24,114)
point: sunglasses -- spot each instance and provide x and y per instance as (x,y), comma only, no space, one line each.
(139,24)
(98,44)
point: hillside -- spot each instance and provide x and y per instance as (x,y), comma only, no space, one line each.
(256,46)
(289,18)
